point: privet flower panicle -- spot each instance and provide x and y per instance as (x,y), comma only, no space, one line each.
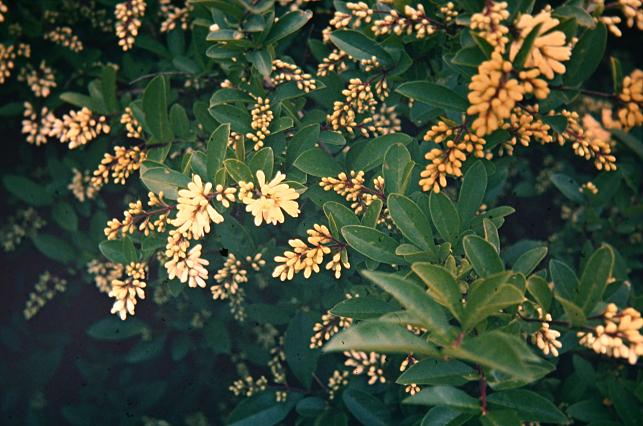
(119,166)
(3,9)
(194,209)
(128,291)
(174,15)
(248,386)
(37,127)
(81,185)
(137,218)
(128,21)
(132,125)
(371,364)
(549,50)
(188,267)
(329,326)
(493,94)
(631,96)
(7,56)
(633,11)
(284,72)
(336,381)
(104,273)
(458,143)
(261,118)
(414,22)
(229,277)
(269,202)
(488,24)
(546,338)
(276,363)
(336,61)
(449,12)
(589,187)
(525,127)
(385,122)
(45,289)
(40,80)
(79,128)
(25,223)
(65,37)
(308,258)
(352,188)
(619,336)
(358,98)
(407,362)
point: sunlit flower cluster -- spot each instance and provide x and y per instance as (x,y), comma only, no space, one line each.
(413,22)
(3,9)
(45,289)
(190,269)
(128,21)
(104,273)
(525,126)
(37,128)
(456,144)
(337,61)
(371,364)
(261,118)
(78,128)
(307,258)
(270,200)
(194,210)
(137,218)
(631,96)
(407,362)
(619,336)
(329,326)
(248,386)
(132,125)
(127,292)
(118,166)
(81,185)
(633,11)
(65,37)
(336,381)
(8,54)
(229,278)
(351,186)
(358,99)
(40,80)
(546,338)
(488,24)
(284,72)
(174,15)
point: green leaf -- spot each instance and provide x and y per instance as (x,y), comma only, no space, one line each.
(501,418)
(180,122)
(442,286)
(413,298)
(500,351)
(557,122)
(488,297)
(304,139)
(529,260)
(217,147)
(491,233)
(437,372)
(370,154)
(531,406)
(381,337)
(158,177)
(469,57)
(339,216)
(228,95)
(366,408)
(108,88)
(363,307)
(446,396)
(445,416)
(564,278)
(27,190)
(261,409)
(112,328)
(262,61)
(216,336)
(80,100)
(264,159)
(288,24)
(372,243)
(300,358)
(411,221)
(372,213)
(397,168)
(54,248)
(445,216)
(586,56)
(359,46)
(472,192)
(483,256)
(578,14)
(433,94)
(316,162)
(525,49)
(65,216)
(155,109)
(537,286)
(145,350)
(568,186)
(593,281)
(238,170)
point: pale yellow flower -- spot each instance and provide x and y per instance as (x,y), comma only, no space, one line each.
(190,269)
(273,197)
(194,209)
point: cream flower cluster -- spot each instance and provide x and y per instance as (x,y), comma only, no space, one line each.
(270,200)
(284,72)
(329,326)
(119,165)
(128,291)
(195,212)
(371,364)
(79,127)
(65,37)
(351,186)
(128,21)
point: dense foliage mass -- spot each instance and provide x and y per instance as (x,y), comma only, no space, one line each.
(379,213)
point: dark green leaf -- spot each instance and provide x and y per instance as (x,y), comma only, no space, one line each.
(411,221)
(445,216)
(371,243)
(483,256)
(433,94)
(155,109)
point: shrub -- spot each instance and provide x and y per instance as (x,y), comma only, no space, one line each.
(335,213)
